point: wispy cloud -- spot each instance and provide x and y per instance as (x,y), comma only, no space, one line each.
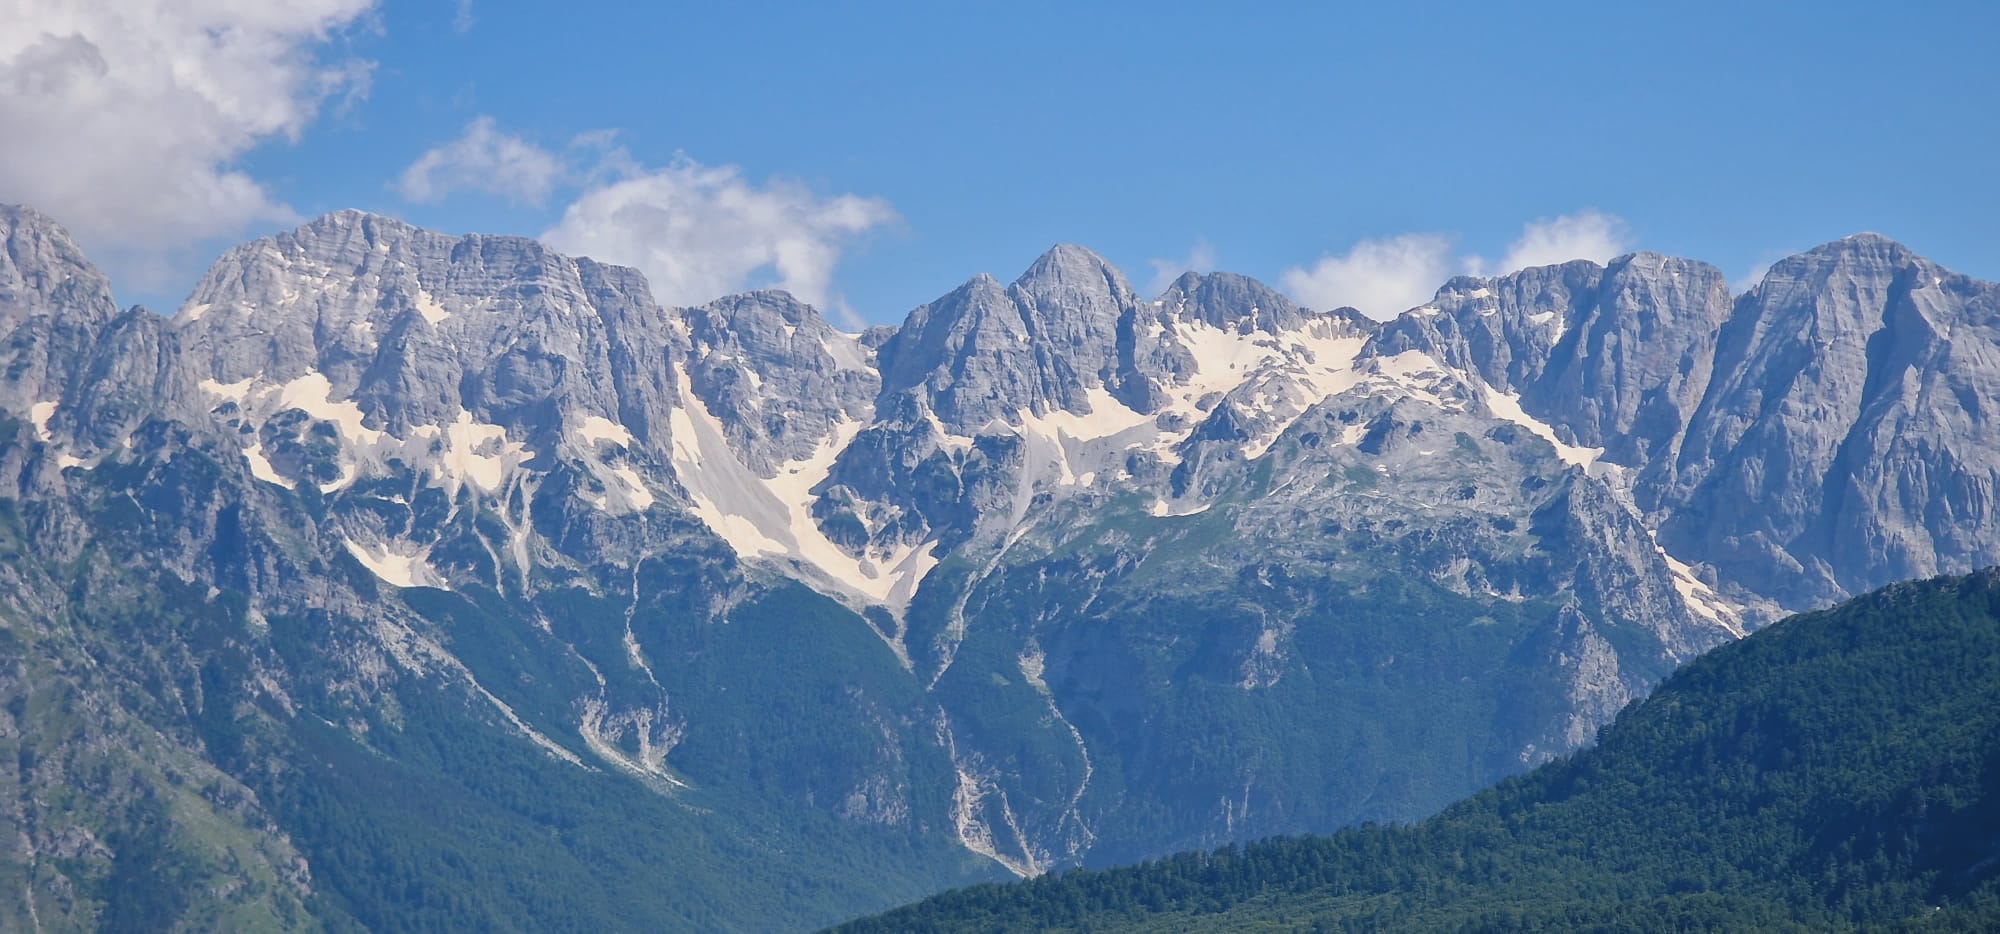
(1200,258)
(1383,277)
(125,118)
(484,159)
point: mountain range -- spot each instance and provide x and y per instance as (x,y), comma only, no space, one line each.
(399,579)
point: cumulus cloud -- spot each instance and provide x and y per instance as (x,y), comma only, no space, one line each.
(124,119)
(1387,276)
(699,232)
(1591,235)
(1379,277)
(487,160)
(1200,258)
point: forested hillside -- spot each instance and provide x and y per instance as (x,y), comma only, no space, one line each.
(1837,770)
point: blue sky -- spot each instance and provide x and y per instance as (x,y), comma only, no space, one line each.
(875,155)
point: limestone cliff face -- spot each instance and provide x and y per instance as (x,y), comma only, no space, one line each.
(53,304)
(1845,441)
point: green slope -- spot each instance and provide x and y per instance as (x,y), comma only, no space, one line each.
(1837,770)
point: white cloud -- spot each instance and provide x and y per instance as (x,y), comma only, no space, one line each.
(699,232)
(124,118)
(484,159)
(1379,277)
(461,20)
(1589,234)
(1387,276)
(1200,258)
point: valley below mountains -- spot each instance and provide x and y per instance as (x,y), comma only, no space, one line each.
(1837,771)
(401,580)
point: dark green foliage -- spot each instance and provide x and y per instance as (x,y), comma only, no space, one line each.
(1838,770)
(150,880)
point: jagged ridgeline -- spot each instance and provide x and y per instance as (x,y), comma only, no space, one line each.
(1837,771)
(403,579)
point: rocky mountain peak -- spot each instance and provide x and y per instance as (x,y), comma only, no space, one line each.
(1866,261)
(42,269)
(984,352)
(1865,241)
(1073,300)
(357,342)
(1068,267)
(336,222)
(1836,382)
(1233,302)
(53,304)
(414,264)
(778,376)
(757,308)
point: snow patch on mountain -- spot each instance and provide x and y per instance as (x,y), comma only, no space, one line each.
(313,394)
(597,429)
(1107,417)
(1163,509)
(473,453)
(1701,599)
(237,392)
(1070,447)
(427,305)
(1416,374)
(38,416)
(1507,406)
(762,517)
(457,454)
(260,466)
(397,564)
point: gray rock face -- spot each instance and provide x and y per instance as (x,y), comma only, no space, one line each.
(1845,441)
(780,379)
(985,352)
(1616,356)
(991,394)
(1632,366)
(52,305)
(1231,302)
(1503,329)
(1810,440)
(415,328)
(974,364)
